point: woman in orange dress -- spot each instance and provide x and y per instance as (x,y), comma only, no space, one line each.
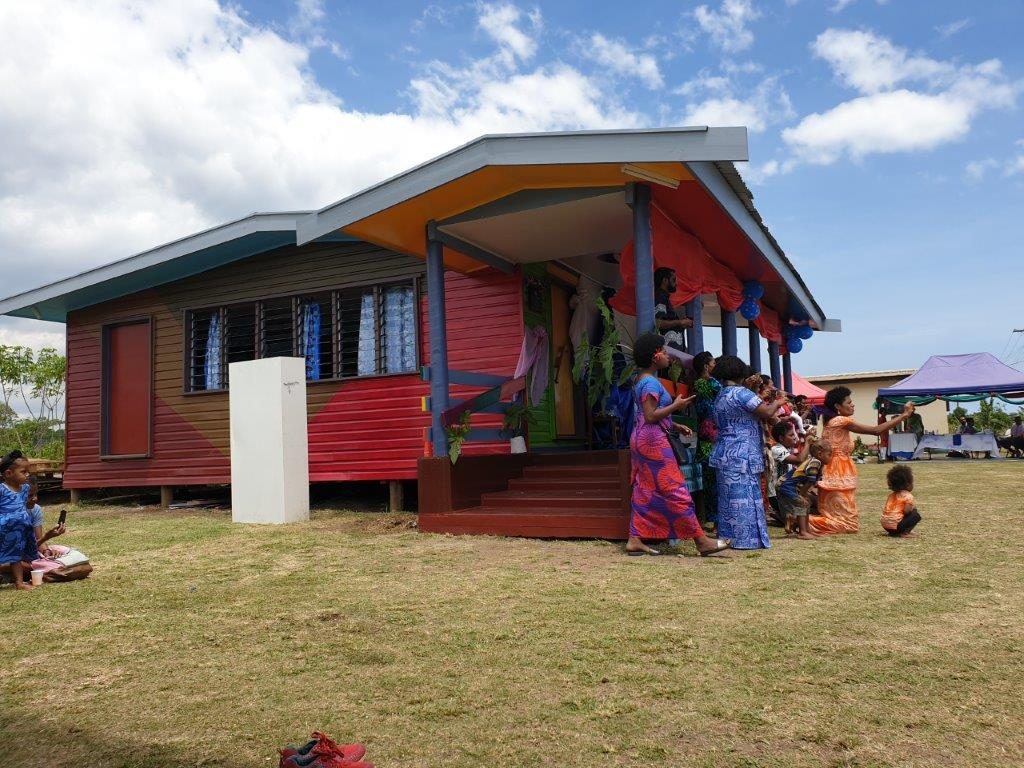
(837,503)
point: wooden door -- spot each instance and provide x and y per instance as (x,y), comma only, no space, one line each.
(561,370)
(127,389)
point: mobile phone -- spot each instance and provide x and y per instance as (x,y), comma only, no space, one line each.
(63,517)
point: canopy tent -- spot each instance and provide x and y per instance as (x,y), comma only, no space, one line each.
(801,386)
(959,378)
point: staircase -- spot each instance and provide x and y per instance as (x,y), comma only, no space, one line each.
(557,496)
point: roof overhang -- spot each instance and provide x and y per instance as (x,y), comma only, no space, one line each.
(561,149)
(499,201)
(182,258)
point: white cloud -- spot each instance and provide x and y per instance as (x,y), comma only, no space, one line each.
(727,26)
(977,169)
(725,103)
(307,26)
(896,121)
(501,23)
(948,30)
(870,63)
(152,121)
(887,118)
(840,5)
(620,60)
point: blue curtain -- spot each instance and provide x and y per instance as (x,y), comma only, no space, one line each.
(212,369)
(311,339)
(399,329)
(367,359)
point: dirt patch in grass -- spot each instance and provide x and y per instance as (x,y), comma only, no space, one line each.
(198,642)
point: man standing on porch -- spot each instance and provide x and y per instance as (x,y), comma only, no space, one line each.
(668,322)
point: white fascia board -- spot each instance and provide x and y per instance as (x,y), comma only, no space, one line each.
(640,146)
(257,222)
(712,180)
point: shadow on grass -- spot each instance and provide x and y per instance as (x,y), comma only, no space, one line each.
(29,740)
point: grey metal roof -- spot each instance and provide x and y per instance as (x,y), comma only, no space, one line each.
(551,148)
(708,152)
(239,239)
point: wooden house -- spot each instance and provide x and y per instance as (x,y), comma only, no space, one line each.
(407,301)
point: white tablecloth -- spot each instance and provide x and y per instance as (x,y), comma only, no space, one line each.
(902,444)
(983,441)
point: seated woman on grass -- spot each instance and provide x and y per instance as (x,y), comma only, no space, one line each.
(17,539)
(837,488)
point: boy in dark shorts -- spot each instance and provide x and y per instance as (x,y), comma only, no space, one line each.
(798,486)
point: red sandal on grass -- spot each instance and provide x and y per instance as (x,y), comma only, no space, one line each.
(322,747)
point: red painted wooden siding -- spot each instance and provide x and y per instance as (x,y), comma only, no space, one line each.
(373,428)
(359,429)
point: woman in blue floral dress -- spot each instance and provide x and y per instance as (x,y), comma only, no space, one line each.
(738,456)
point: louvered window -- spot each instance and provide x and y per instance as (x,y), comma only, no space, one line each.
(346,333)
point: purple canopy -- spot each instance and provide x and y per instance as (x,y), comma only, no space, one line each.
(974,374)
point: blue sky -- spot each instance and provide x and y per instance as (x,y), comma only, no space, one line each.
(887,146)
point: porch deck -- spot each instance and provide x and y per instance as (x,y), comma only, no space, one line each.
(568,495)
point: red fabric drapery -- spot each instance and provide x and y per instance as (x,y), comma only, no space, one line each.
(697,272)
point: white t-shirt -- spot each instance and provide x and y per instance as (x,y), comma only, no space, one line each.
(779,455)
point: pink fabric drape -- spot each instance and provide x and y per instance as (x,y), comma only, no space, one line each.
(534,356)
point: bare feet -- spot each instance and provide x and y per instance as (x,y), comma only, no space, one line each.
(23,585)
(806,536)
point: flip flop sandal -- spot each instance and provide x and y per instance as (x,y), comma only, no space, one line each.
(641,552)
(721,546)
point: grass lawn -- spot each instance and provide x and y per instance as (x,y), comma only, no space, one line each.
(200,643)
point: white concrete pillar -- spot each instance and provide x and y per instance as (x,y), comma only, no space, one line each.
(269,441)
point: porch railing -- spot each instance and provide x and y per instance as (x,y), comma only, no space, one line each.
(500,388)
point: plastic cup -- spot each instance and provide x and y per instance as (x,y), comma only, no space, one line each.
(37,578)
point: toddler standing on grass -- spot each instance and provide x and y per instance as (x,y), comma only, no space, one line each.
(900,515)
(796,490)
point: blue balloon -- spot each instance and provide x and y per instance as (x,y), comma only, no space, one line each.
(750,310)
(794,345)
(805,332)
(753,289)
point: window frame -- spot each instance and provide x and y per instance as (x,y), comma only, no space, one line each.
(334,294)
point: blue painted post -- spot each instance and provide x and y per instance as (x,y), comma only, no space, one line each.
(787,372)
(728,333)
(773,362)
(695,310)
(755,347)
(643,258)
(438,346)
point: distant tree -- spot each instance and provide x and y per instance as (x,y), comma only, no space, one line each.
(36,381)
(953,418)
(992,418)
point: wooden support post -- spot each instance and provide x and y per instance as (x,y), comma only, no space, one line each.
(755,347)
(643,257)
(787,372)
(396,498)
(728,332)
(76,496)
(166,495)
(773,363)
(438,346)
(695,311)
